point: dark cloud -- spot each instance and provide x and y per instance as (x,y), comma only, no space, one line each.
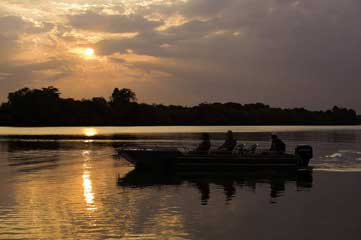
(205,8)
(14,25)
(10,28)
(288,53)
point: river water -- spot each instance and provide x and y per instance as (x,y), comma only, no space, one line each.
(69,183)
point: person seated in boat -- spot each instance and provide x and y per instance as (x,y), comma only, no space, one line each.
(204,146)
(229,144)
(277,146)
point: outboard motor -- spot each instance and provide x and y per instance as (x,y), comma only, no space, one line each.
(305,154)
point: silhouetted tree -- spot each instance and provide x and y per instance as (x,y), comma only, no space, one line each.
(34,106)
(122,96)
(40,107)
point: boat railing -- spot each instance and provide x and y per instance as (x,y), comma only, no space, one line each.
(147,147)
(240,149)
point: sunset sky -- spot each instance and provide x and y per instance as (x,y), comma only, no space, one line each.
(286,53)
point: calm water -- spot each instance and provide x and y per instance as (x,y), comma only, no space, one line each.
(62,183)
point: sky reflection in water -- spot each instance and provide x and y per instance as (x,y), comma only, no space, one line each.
(70,189)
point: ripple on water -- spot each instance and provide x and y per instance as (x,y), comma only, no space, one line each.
(68,190)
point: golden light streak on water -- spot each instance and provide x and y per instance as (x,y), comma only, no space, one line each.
(88,191)
(49,188)
(87,183)
(90,132)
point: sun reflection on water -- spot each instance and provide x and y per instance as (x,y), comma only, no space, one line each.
(87,183)
(88,190)
(90,132)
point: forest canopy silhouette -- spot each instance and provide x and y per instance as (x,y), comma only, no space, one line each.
(45,107)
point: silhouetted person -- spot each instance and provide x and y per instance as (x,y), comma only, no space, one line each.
(229,191)
(229,144)
(205,191)
(277,145)
(277,187)
(205,145)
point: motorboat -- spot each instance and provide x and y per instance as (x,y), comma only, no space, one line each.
(172,158)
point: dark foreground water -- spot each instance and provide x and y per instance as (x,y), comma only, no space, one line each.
(62,183)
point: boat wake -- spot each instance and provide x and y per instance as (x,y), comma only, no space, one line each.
(336,167)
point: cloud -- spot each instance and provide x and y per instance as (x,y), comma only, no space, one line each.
(14,76)
(14,71)
(268,50)
(281,52)
(7,45)
(15,25)
(112,23)
(205,8)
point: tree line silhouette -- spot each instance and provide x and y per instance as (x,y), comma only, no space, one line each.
(45,107)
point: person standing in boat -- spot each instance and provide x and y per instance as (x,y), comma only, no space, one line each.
(277,145)
(205,145)
(229,144)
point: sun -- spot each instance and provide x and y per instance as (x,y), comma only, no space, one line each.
(86,53)
(89,52)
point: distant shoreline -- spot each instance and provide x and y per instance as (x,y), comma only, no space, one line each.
(44,107)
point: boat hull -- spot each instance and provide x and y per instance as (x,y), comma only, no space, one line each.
(150,159)
(234,161)
(175,160)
